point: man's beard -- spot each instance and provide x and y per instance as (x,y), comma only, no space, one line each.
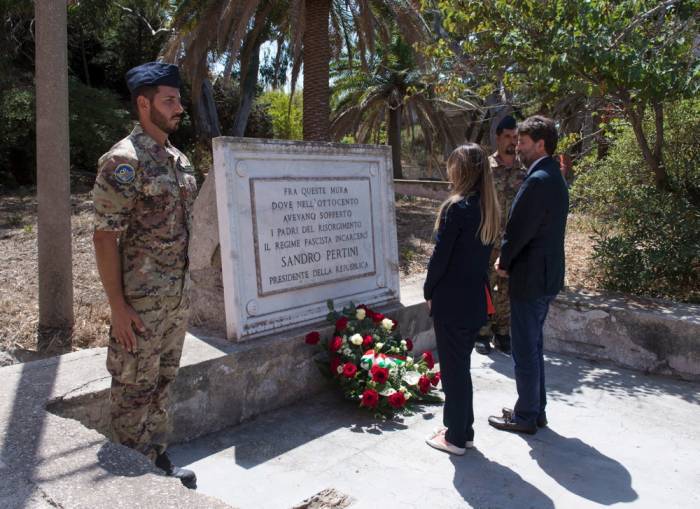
(510,150)
(160,121)
(525,160)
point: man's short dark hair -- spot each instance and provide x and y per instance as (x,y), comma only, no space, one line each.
(540,128)
(507,122)
(148,91)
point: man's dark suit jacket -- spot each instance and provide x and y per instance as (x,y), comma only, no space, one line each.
(458,269)
(533,245)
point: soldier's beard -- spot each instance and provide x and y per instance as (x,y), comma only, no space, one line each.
(162,123)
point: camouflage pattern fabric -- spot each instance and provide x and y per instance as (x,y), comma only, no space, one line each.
(145,192)
(139,396)
(507,181)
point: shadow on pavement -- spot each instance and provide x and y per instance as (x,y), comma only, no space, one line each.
(261,439)
(568,375)
(485,483)
(581,469)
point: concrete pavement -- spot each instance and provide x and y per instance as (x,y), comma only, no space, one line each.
(616,438)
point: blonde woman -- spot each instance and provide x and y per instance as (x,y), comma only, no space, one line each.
(456,287)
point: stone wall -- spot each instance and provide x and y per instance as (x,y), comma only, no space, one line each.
(436,190)
(644,334)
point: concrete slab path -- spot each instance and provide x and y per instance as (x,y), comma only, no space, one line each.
(616,438)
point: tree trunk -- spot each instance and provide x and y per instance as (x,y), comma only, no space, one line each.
(652,159)
(394,133)
(53,175)
(207,119)
(248,86)
(317,57)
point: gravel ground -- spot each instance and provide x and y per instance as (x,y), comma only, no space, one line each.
(18,272)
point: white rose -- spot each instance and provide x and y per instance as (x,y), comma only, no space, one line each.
(347,352)
(360,314)
(339,369)
(387,324)
(379,346)
(403,343)
(409,362)
(356,339)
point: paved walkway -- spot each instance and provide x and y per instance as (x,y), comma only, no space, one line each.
(616,438)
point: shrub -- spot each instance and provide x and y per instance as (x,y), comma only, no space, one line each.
(286,122)
(97,121)
(648,242)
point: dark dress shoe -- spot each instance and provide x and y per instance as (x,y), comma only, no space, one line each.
(483,345)
(502,343)
(541,419)
(187,477)
(511,425)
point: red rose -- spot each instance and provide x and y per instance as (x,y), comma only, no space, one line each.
(409,344)
(336,343)
(349,370)
(428,356)
(424,384)
(313,338)
(379,375)
(335,362)
(436,379)
(397,400)
(395,323)
(377,317)
(370,398)
(341,324)
(367,340)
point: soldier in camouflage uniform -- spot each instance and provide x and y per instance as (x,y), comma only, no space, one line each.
(143,198)
(508,175)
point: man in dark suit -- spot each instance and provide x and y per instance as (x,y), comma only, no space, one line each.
(532,256)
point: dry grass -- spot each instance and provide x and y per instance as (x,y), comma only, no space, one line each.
(414,223)
(19,313)
(18,273)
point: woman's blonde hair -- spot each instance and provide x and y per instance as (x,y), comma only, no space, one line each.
(469,172)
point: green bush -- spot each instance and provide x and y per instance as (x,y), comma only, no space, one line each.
(648,241)
(286,122)
(97,121)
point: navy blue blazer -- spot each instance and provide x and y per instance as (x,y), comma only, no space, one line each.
(532,250)
(458,268)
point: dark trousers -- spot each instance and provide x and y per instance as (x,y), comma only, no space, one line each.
(526,322)
(454,345)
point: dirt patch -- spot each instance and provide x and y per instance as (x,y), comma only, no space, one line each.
(19,312)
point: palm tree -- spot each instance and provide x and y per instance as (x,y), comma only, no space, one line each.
(391,93)
(317,30)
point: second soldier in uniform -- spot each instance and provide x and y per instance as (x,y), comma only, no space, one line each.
(143,200)
(508,175)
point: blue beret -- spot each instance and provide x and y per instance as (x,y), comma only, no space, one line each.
(152,74)
(507,122)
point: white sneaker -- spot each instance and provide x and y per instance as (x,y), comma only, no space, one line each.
(436,432)
(439,442)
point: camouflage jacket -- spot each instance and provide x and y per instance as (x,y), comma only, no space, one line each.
(146,191)
(507,181)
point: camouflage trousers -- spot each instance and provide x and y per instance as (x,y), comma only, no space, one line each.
(499,323)
(140,396)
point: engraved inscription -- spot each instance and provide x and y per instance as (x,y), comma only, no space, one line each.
(311,231)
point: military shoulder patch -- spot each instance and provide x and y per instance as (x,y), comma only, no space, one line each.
(185,168)
(124,173)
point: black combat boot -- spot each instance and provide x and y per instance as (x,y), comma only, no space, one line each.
(187,477)
(502,343)
(483,345)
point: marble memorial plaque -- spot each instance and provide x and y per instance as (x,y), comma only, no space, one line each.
(301,223)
